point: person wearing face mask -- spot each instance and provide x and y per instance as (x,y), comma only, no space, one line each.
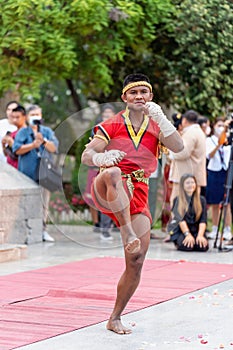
(218,155)
(32,142)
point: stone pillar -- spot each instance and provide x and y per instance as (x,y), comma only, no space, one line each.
(2,236)
(20,207)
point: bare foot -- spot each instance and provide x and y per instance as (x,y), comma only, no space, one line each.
(133,246)
(167,239)
(117,327)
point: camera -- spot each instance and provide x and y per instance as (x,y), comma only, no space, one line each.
(230,129)
(231,123)
(35,120)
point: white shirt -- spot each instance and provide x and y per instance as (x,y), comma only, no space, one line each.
(215,163)
(4,127)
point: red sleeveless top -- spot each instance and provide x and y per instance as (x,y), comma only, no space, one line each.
(141,148)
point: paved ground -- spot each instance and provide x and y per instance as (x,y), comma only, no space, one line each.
(200,320)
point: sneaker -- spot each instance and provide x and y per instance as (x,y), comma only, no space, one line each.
(227,235)
(212,234)
(229,244)
(115,229)
(105,236)
(46,237)
(97,228)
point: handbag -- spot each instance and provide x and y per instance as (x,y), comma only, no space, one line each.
(173,229)
(48,175)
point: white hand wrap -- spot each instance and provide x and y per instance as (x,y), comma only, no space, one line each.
(155,111)
(108,158)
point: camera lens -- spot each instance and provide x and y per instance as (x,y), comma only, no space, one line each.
(36,122)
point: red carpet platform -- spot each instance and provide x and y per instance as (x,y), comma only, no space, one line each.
(43,303)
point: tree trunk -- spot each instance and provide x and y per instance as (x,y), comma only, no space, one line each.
(75,97)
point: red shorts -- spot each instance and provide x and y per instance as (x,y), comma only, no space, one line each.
(138,203)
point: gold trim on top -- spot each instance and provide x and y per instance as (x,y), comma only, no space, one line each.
(101,137)
(136,138)
(138,175)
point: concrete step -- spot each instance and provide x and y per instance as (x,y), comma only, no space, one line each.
(10,252)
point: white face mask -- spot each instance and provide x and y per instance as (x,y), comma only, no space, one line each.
(208,130)
(34,120)
(218,130)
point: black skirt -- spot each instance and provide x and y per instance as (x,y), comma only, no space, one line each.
(215,186)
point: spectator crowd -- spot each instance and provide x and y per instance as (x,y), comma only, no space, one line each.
(206,156)
(205,159)
(24,140)
(194,180)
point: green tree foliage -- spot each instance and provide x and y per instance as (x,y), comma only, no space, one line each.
(200,69)
(42,40)
(35,44)
(88,46)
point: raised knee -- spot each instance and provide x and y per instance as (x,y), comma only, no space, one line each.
(112,175)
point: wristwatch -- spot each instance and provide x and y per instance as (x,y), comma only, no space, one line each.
(186,233)
(44,142)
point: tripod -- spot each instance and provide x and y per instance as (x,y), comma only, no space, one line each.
(224,203)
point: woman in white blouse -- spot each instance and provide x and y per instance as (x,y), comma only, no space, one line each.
(218,157)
